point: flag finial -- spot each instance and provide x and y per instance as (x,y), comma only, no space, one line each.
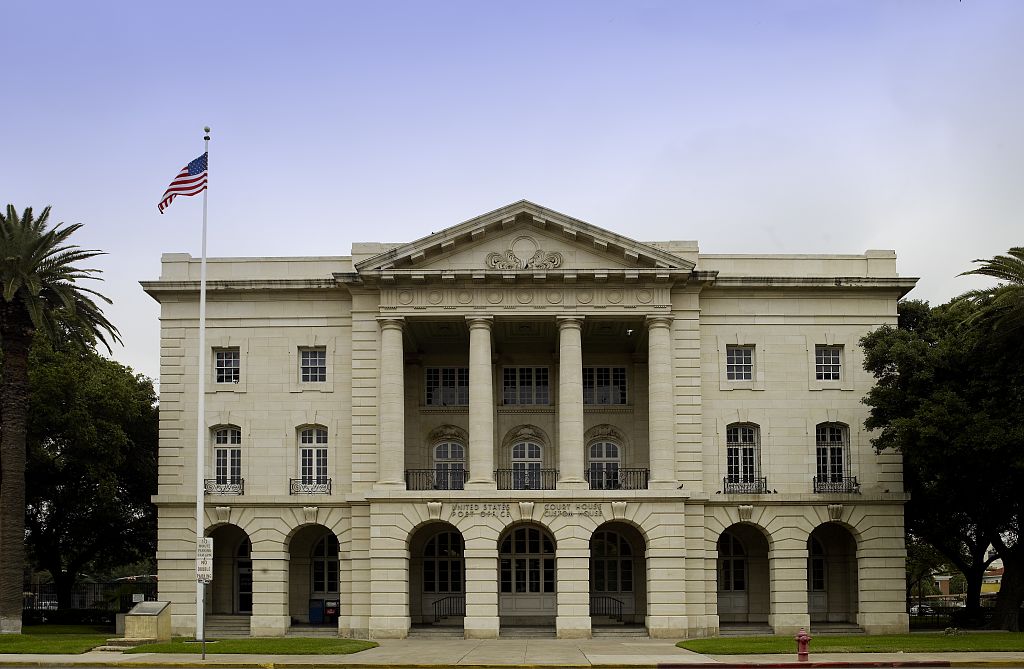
(206,129)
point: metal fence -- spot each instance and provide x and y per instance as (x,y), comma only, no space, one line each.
(117,596)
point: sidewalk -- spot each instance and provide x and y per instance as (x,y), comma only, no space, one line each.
(521,654)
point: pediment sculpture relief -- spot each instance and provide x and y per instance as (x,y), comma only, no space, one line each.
(524,253)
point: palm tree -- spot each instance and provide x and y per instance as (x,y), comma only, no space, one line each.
(1002,306)
(41,294)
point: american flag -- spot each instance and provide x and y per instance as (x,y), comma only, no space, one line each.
(190,181)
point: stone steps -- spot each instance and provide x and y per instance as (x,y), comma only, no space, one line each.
(835,629)
(619,632)
(745,629)
(527,633)
(436,632)
(226,627)
(312,631)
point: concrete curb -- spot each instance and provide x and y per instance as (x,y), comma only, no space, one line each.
(200,664)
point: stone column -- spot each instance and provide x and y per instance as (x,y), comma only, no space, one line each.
(481,405)
(572,569)
(391,455)
(270,580)
(570,403)
(480,559)
(661,402)
(787,568)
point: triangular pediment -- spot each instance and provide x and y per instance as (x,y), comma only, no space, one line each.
(524,238)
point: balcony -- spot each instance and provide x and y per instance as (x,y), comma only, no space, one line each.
(224,486)
(435,479)
(310,486)
(619,479)
(750,486)
(526,479)
(836,484)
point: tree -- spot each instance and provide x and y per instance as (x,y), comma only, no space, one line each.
(92,465)
(42,292)
(1001,307)
(948,398)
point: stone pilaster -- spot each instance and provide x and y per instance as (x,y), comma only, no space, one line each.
(660,402)
(391,457)
(572,567)
(389,578)
(481,405)
(270,561)
(787,564)
(570,403)
(480,560)
(666,580)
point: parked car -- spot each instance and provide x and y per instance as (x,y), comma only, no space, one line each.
(921,610)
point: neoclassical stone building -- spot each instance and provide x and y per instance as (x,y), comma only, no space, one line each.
(525,419)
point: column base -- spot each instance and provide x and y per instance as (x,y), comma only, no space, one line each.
(481,627)
(572,484)
(668,627)
(269,625)
(354,627)
(389,485)
(480,484)
(884,623)
(662,485)
(573,627)
(386,627)
(789,623)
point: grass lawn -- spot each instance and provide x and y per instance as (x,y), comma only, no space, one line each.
(277,646)
(887,643)
(54,639)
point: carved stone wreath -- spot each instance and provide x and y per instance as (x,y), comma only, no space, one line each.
(519,256)
(448,433)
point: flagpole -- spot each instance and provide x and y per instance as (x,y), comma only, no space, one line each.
(201,417)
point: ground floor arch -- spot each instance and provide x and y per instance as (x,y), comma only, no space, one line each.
(527,578)
(832,575)
(231,589)
(437,581)
(618,575)
(743,585)
(314,576)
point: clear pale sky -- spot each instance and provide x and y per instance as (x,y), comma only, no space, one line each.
(824,126)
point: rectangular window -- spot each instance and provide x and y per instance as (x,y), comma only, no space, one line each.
(741,453)
(831,452)
(313,365)
(604,385)
(827,363)
(739,363)
(226,364)
(526,385)
(313,456)
(447,386)
(228,465)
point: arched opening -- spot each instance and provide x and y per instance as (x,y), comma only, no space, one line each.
(437,586)
(743,581)
(526,576)
(230,593)
(314,575)
(832,575)
(618,575)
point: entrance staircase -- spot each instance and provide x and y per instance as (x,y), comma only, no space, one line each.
(436,632)
(745,629)
(226,627)
(527,632)
(835,628)
(619,631)
(312,631)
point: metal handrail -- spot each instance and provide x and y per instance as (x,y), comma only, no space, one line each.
(228,486)
(526,479)
(602,605)
(453,605)
(435,479)
(732,485)
(310,486)
(836,484)
(620,479)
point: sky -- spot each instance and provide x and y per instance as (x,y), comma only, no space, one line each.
(760,126)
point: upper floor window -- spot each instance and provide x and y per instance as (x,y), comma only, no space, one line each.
(313,365)
(526,385)
(832,447)
(605,459)
(526,465)
(449,466)
(447,386)
(226,364)
(604,385)
(313,455)
(227,455)
(828,363)
(742,455)
(739,363)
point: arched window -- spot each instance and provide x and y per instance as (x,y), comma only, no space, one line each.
(442,563)
(526,560)
(526,466)
(816,566)
(449,466)
(324,565)
(313,456)
(227,456)
(743,459)
(605,460)
(611,562)
(732,561)
(832,449)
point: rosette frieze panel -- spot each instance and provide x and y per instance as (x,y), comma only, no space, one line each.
(411,300)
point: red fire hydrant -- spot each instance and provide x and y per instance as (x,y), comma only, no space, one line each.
(803,642)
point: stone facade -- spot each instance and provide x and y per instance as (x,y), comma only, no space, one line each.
(526,419)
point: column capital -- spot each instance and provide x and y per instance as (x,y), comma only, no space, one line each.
(569,322)
(391,322)
(474,322)
(658,321)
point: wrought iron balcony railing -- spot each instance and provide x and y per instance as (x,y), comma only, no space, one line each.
(435,479)
(732,485)
(309,486)
(526,479)
(619,479)
(847,484)
(225,486)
